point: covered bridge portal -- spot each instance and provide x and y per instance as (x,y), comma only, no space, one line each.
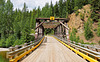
(58,24)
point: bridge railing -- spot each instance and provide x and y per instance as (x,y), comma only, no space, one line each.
(20,51)
(93,54)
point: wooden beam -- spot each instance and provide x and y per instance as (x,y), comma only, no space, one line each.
(63,25)
(37,19)
(40,24)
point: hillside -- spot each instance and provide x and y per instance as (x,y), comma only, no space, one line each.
(77,20)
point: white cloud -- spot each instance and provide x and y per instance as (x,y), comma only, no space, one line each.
(31,3)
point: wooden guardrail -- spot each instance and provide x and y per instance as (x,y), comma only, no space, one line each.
(91,56)
(19,52)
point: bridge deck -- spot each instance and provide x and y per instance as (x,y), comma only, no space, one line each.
(53,51)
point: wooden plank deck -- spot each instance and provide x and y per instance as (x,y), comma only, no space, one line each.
(53,51)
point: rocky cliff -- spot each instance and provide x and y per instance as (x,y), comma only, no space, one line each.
(77,20)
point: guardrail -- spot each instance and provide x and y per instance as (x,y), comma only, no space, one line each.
(88,54)
(87,46)
(19,52)
(90,47)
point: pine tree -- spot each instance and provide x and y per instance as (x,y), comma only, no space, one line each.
(51,9)
(68,6)
(56,10)
(2,2)
(95,8)
(88,33)
(38,12)
(60,8)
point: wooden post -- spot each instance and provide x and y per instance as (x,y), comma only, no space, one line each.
(54,31)
(42,31)
(31,44)
(67,32)
(60,30)
(11,49)
(36,31)
(25,44)
(16,47)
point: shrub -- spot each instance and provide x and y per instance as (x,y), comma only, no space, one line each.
(10,41)
(2,43)
(73,36)
(86,15)
(84,11)
(82,16)
(75,8)
(77,12)
(88,12)
(92,43)
(82,42)
(88,33)
(90,22)
(95,29)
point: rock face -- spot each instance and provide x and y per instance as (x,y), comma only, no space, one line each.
(77,21)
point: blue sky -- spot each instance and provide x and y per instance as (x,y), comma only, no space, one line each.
(31,3)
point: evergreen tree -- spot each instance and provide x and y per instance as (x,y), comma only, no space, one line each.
(38,12)
(95,8)
(60,8)
(64,10)
(68,6)
(88,33)
(51,9)
(56,10)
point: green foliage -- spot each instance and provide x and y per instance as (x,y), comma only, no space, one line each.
(73,36)
(51,9)
(84,11)
(56,10)
(60,8)
(88,33)
(95,29)
(49,31)
(15,26)
(82,16)
(95,7)
(90,22)
(77,12)
(75,8)
(98,29)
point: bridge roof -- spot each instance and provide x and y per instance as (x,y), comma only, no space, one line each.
(50,24)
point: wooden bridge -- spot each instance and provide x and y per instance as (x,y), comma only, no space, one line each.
(56,48)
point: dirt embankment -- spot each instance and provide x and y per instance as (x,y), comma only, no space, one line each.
(77,22)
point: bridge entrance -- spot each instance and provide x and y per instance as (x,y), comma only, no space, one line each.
(58,25)
(53,48)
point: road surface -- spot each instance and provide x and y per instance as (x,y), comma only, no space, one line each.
(53,51)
